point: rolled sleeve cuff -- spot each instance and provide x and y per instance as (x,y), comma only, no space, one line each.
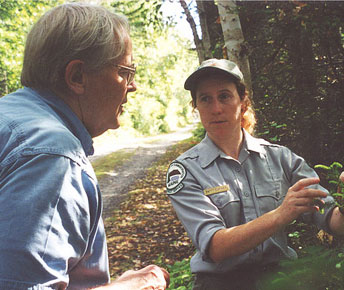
(204,242)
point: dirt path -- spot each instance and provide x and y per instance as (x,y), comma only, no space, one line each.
(115,187)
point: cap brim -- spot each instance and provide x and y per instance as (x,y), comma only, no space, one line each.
(196,75)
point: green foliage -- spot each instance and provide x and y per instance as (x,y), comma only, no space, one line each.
(106,164)
(16,19)
(180,275)
(331,175)
(160,104)
(297,74)
(320,268)
(199,132)
(273,131)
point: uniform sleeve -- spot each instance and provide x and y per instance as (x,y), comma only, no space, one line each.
(44,222)
(298,169)
(199,216)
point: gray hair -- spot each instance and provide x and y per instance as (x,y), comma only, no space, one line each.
(72,31)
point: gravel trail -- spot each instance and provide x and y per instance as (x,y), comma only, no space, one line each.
(115,186)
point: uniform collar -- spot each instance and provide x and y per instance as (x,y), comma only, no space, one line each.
(208,151)
(254,144)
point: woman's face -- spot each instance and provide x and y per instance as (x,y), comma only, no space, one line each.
(219,106)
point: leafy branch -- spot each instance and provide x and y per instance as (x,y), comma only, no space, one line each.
(336,186)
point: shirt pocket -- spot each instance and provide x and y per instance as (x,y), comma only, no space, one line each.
(222,199)
(269,195)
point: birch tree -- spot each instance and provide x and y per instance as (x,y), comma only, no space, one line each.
(203,21)
(234,38)
(208,39)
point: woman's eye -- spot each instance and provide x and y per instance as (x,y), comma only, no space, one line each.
(204,99)
(224,97)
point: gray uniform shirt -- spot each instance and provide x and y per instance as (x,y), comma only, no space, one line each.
(211,191)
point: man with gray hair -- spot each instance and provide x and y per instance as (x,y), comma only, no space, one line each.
(76,74)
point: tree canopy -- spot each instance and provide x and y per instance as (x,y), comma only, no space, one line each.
(16,18)
(296,53)
(160,103)
(296,56)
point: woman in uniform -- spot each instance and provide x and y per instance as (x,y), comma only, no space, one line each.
(234,193)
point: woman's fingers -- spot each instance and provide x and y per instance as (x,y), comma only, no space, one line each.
(302,183)
(300,199)
(341,177)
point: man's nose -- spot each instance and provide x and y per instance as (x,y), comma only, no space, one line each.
(132,87)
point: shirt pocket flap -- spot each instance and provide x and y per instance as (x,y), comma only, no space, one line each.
(269,189)
(221,199)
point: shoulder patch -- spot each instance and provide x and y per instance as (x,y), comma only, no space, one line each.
(175,175)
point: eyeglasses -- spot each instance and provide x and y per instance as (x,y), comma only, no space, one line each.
(128,72)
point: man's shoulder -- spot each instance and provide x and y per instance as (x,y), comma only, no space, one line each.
(28,127)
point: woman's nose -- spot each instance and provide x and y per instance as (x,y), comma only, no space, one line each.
(216,107)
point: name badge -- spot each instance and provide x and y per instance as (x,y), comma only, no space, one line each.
(216,189)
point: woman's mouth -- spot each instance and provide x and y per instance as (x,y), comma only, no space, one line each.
(218,122)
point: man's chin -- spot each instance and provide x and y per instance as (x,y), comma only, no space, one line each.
(116,125)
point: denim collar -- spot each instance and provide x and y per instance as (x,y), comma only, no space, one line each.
(68,117)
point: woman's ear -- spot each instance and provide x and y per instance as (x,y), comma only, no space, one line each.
(74,76)
(243,108)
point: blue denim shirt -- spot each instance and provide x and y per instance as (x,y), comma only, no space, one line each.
(51,232)
(211,191)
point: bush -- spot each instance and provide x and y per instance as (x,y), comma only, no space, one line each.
(180,275)
(199,132)
(321,268)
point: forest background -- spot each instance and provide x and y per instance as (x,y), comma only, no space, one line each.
(295,52)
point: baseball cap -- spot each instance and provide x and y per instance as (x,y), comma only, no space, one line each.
(214,64)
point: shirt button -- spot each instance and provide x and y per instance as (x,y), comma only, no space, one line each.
(246,194)
(237,168)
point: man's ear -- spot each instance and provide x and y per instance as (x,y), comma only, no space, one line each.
(74,76)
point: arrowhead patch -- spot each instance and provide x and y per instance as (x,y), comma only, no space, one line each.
(175,175)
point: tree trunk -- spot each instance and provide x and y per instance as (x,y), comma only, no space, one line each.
(203,20)
(198,42)
(234,38)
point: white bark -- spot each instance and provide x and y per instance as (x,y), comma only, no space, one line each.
(233,37)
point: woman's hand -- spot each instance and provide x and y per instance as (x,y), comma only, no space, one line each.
(300,199)
(341,177)
(240,239)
